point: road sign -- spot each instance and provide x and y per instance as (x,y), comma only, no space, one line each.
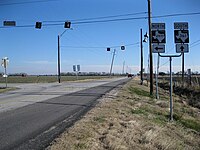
(158,36)
(78,67)
(182,48)
(158,48)
(9,23)
(181,36)
(158,26)
(74,68)
(4,62)
(5,76)
(180,25)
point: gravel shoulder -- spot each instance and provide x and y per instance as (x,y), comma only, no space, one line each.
(128,118)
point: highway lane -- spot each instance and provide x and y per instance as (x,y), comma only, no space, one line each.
(35,125)
(31,93)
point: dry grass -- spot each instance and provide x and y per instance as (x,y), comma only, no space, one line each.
(131,119)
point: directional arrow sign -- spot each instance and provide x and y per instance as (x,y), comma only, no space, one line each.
(158,48)
(182,48)
(158,36)
(181,36)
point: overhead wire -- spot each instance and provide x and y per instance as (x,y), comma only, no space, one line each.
(133,44)
(26,2)
(103,17)
(108,20)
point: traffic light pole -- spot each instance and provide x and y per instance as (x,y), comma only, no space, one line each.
(150,48)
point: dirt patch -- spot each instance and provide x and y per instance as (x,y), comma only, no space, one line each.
(132,119)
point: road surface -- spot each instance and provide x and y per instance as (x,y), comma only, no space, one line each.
(35,123)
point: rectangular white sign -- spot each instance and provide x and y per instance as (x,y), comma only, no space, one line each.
(182,48)
(158,48)
(181,25)
(158,26)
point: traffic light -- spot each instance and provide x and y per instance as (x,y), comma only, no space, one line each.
(38,25)
(108,49)
(67,24)
(122,47)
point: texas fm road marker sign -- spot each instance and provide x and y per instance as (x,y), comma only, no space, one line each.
(158,48)
(181,36)
(182,48)
(158,36)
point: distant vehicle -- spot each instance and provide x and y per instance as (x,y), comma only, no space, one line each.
(130,75)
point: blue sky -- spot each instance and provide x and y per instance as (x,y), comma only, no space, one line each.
(34,51)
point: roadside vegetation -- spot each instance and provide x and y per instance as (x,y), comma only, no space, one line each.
(129,118)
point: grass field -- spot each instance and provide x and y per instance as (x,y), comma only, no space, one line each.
(46,79)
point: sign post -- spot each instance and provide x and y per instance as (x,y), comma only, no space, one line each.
(4,64)
(158,40)
(76,68)
(181,36)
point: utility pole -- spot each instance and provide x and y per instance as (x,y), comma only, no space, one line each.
(112,62)
(123,68)
(59,77)
(141,46)
(150,48)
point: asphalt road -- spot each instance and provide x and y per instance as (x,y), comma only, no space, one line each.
(35,92)
(35,125)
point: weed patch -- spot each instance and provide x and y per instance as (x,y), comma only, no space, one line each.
(99,119)
(139,111)
(139,92)
(189,123)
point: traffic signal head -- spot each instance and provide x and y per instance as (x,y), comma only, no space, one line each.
(38,25)
(67,24)
(122,47)
(108,49)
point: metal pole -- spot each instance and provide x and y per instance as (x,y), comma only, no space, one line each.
(6,77)
(157,94)
(59,77)
(150,48)
(182,69)
(123,68)
(112,62)
(141,70)
(171,102)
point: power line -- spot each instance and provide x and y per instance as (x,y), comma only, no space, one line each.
(103,17)
(97,47)
(109,20)
(175,15)
(26,2)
